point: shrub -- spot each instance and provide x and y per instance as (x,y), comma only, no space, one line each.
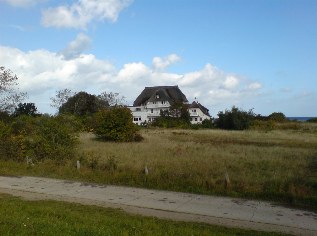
(312,120)
(171,122)
(235,119)
(207,124)
(277,116)
(115,124)
(39,138)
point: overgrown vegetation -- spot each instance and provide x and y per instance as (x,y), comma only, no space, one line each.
(175,117)
(20,217)
(235,119)
(277,165)
(37,138)
(312,120)
(116,124)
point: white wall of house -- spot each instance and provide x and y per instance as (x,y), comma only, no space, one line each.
(152,110)
(197,116)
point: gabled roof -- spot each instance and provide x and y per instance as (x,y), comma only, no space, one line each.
(201,107)
(160,93)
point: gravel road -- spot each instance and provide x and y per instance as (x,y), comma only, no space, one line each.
(224,211)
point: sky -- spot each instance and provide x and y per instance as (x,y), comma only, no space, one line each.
(252,54)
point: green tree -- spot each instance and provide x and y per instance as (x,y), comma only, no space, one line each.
(179,110)
(9,94)
(82,104)
(28,109)
(176,116)
(235,119)
(277,116)
(115,124)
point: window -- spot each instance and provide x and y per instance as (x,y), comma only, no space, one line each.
(194,110)
(201,119)
(138,109)
(154,102)
(195,119)
(140,118)
(151,110)
(163,102)
(149,119)
(157,96)
(135,118)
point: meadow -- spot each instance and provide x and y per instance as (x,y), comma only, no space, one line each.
(276,165)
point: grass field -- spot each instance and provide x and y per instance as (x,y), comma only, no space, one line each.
(20,217)
(278,165)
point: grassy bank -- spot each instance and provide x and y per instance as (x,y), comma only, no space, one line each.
(57,218)
(279,165)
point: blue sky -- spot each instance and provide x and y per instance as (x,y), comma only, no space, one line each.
(252,54)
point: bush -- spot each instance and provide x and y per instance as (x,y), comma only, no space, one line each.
(115,124)
(171,122)
(38,138)
(312,120)
(235,119)
(277,117)
(207,124)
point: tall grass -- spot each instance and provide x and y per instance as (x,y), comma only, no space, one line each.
(271,165)
(278,165)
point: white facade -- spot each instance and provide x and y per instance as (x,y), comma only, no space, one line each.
(152,110)
(197,116)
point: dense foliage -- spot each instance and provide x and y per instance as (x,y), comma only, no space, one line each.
(28,109)
(312,120)
(235,119)
(82,104)
(115,124)
(277,116)
(176,116)
(37,138)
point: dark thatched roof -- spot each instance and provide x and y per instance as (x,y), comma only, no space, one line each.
(160,93)
(201,107)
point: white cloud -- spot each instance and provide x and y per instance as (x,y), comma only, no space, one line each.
(82,12)
(231,82)
(42,72)
(132,71)
(254,86)
(160,63)
(77,46)
(23,3)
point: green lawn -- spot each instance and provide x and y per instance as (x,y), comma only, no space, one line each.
(19,217)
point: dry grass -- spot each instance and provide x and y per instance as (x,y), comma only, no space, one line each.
(271,165)
(279,165)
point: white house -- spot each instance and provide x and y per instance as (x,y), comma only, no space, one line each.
(152,100)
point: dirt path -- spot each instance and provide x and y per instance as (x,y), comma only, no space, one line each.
(229,212)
